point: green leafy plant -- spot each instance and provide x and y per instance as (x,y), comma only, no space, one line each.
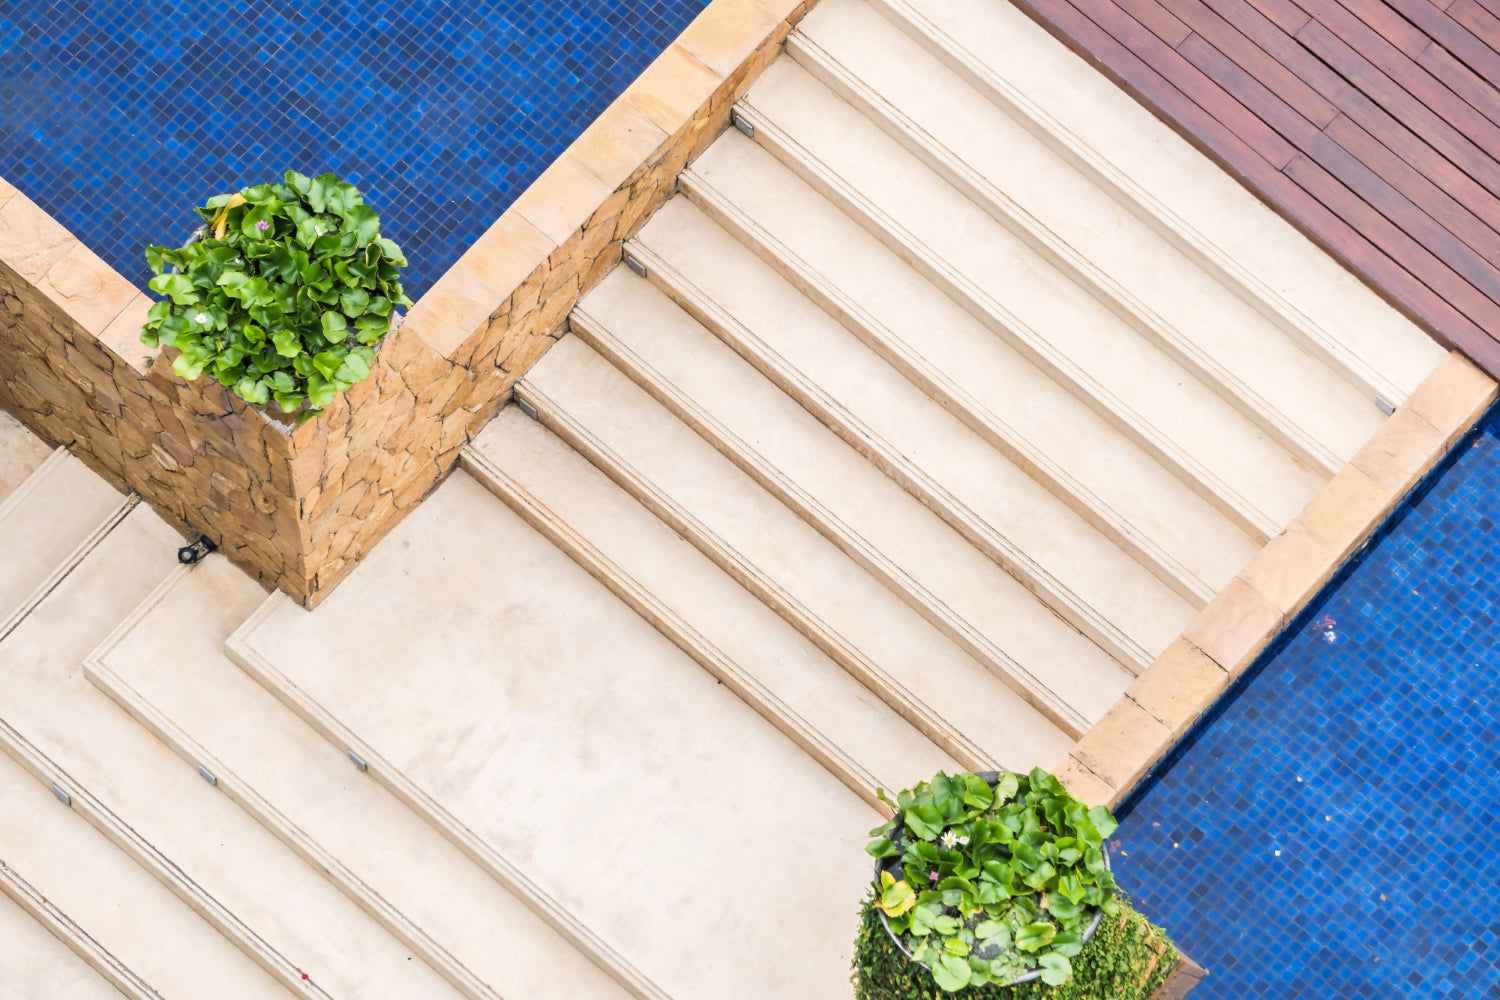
(996,880)
(285,296)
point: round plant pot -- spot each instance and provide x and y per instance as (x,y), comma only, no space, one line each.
(893,865)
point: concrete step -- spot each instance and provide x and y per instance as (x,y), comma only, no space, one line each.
(21,452)
(1019,295)
(998,390)
(744,644)
(936,570)
(1166,184)
(1078,227)
(114,929)
(194,840)
(991,389)
(895,421)
(824,592)
(48,524)
(545,722)
(309,795)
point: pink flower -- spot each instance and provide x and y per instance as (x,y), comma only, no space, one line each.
(262,225)
(933,876)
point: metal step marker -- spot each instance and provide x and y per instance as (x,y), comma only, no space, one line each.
(62,796)
(741,123)
(1384,405)
(527,408)
(635,265)
(208,776)
(359,761)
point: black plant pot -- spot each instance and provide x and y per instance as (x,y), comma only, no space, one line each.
(893,865)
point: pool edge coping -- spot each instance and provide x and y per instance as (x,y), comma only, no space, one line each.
(1227,636)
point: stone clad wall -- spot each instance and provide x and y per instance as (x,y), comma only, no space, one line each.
(298,507)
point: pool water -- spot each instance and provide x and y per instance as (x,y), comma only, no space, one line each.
(117,118)
(1330,831)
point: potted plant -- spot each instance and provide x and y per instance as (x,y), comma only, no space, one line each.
(992,878)
(282,296)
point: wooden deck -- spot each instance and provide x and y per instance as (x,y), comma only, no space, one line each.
(1374,125)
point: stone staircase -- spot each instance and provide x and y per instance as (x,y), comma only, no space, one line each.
(946,394)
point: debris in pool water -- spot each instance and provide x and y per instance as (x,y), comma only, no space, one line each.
(1326,625)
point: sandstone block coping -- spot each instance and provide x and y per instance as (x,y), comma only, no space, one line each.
(1227,635)
(298,507)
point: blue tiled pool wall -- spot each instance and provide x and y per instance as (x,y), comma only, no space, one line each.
(116,118)
(1327,830)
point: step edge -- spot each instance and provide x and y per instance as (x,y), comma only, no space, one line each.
(1148,208)
(671,624)
(109,682)
(77,940)
(240,649)
(1005,324)
(958,402)
(771,593)
(1100,284)
(68,563)
(157,864)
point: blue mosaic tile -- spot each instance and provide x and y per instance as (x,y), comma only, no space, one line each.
(117,118)
(1329,831)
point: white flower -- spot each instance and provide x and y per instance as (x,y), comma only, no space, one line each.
(949,839)
(964,841)
(201,318)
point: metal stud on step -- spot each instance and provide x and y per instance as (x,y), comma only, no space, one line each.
(1384,405)
(635,265)
(359,761)
(62,796)
(741,123)
(527,408)
(208,776)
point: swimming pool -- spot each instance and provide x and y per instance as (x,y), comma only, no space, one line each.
(117,118)
(1329,830)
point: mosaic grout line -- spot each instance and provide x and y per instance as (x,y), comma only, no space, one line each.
(1360,747)
(117,119)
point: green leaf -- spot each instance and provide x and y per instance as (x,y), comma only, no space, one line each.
(951,973)
(335,326)
(178,286)
(1056,969)
(186,369)
(925,821)
(287,343)
(355,301)
(364,223)
(1035,937)
(317,194)
(1103,820)
(1006,787)
(250,223)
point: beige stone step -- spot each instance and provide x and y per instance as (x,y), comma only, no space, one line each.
(310,796)
(938,572)
(1173,188)
(1309,405)
(21,452)
(992,389)
(192,838)
(997,390)
(824,592)
(1010,287)
(862,385)
(47,525)
(562,732)
(775,669)
(115,930)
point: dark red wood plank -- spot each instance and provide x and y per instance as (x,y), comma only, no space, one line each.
(1451,35)
(1389,25)
(1460,79)
(1480,22)
(1455,146)
(1401,69)
(1160,21)
(1283,13)
(1258,63)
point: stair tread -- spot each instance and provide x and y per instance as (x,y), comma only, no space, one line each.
(316,790)
(932,108)
(1109,124)
(161,798)
(1082,335)
(116,902)
(961,591)
(558,725)
(788,667)
(21,452)
(688,480)
(44,520)
(1106,475)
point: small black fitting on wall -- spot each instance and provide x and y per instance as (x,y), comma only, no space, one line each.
(194,551)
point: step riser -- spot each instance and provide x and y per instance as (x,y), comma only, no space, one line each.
(491,861)
(1030,344)
(60,926)
(266,814)
(682,634)
(1140,203)
(1101,286)
(930,723)
(888,459)
(99,816)
(869,557)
